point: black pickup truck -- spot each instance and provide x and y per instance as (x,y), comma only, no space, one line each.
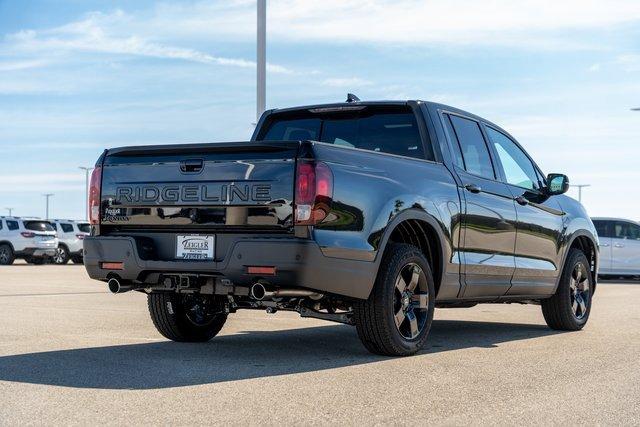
(366,213)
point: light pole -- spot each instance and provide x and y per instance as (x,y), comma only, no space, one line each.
(10,210)
(47,197)
(86,190)
(580,186)
(261,73)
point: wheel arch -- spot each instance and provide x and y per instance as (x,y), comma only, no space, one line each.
(587,244)
(422,230)
(6,242)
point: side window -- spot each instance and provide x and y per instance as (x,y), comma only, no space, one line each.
(455,145)
(1,224)
(602,228)
(517,167)
(626,230)
(66,228)
(12,225)
(54,225)
(475,153)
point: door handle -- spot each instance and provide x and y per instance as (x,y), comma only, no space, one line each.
(521,201)
(618,245)
(473,188)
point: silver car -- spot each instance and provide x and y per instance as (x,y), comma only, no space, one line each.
(619,246)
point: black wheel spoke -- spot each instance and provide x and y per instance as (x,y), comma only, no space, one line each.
(411,301)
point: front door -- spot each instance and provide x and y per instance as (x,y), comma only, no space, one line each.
(540,219)
(488,223)
(625,248)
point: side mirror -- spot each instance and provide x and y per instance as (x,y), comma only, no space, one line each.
(557,183)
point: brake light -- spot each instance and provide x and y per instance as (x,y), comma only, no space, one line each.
(28,234)
(94,196)
(314,192)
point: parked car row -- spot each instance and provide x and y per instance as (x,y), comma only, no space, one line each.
(38,241)
(619,241)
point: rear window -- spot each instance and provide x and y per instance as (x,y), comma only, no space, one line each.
(38,226)
(392,130)
(84,227)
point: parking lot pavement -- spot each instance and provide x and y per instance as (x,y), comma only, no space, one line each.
(71,353)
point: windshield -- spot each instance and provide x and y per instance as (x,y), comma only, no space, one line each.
(391,130)
(38,226)
(84,227)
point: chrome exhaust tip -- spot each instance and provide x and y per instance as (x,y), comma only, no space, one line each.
(118,287)
(258,291)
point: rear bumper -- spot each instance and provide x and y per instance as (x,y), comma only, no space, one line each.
(298,262)
(36,252)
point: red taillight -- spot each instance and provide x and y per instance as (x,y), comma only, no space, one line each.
(80,236)
(314,191)
(94,196)
(28,234)
(268,271)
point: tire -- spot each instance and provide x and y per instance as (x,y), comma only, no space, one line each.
(569,308)
(77,259)
(61,256)
(6,255)
(174,320)
(392,322)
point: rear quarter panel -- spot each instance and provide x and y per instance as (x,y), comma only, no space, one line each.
(371,190)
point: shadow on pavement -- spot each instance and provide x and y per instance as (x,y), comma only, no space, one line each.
(236,357)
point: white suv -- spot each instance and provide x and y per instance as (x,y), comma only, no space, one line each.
(70,235)
(29,238)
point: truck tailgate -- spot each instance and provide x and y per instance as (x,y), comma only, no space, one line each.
(222,187)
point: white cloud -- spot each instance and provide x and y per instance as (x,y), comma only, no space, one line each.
(22,65)
(99,33)
(525,23)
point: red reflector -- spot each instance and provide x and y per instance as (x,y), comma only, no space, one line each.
(271,271)
(112,265)
(28,234)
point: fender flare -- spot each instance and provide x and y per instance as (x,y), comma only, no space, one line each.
(413,214)
(571,241)
(6,242)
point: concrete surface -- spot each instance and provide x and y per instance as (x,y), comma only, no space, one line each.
(71,353)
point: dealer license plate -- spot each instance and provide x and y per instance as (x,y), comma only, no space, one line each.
(195,247)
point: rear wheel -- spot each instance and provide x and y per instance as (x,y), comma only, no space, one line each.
(396,318)
(6,255)
(61,256)
(187,317)
(569,308)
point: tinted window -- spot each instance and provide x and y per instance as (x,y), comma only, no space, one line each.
(393,131)
(455,146)
(38,226)
(293,130)
(12,225)
(518,169)
(1,224)
(603,228)
(84,227)
(474,149)
(626,230)
(67,228)
(54,225)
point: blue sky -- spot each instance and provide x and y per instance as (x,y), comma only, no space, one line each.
(79,76)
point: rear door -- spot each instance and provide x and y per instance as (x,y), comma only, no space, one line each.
(605,231)
(488,230)
(625,248)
